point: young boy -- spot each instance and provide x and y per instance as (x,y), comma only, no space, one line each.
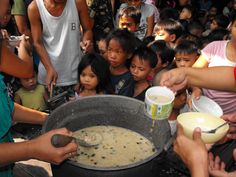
(169,30)
(146,22)
(186,53)
(129,18)
(142,63)
(187,13)
(31,94)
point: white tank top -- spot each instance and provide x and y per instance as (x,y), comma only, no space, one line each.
(61,38)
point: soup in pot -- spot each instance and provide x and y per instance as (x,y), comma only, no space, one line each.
(119,147)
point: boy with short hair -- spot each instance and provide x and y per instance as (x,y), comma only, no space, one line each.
(142,63)
(186,53)
(129,18)
(187,13)
(169,30)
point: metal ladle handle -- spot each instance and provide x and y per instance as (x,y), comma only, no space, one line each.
(59,140)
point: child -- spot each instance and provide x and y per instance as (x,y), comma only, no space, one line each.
(31,94)
(147,17)
(195,28)
(120,48)
(186,53)
(129,18)
(101,46)
(187,13)
(219,22)
(165,54)
(142,63)
(169,30)
(93,74)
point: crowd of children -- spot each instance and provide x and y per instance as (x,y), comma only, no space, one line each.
(176,38)
(134,44)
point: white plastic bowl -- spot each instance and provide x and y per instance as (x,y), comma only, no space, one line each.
(207,105)
(192,120)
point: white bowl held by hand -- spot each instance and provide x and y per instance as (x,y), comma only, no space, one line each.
(205,122)
(207,105)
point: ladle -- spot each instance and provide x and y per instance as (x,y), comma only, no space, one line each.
(59,140)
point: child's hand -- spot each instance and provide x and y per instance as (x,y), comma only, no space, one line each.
(86,46)
(231,118)
(42,148)
(216,167)
(5,34)
(196,93)
(24,45)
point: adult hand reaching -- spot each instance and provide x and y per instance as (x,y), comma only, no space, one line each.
(232,126)
(42,148)
(175,79)
(51,78)
(192,152)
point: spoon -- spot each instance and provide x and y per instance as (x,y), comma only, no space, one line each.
(214,130)
(59,140)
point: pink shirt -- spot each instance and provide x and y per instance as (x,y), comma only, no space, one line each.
(215,54)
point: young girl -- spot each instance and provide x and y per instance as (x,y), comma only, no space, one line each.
(143,62)
(120,47)
(147,17)
(220,53)
(94,74)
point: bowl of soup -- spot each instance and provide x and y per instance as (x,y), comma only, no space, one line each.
(159,102)
(205,122)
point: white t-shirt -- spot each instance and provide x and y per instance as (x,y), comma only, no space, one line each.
(147,10)
(61,38)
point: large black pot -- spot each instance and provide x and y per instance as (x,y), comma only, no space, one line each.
(108,110)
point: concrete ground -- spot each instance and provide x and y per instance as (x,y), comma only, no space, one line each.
(32,167)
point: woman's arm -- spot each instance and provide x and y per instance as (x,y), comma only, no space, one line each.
(201,62)
(218,78)
(27,115)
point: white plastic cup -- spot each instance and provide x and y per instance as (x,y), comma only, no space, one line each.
(159,110)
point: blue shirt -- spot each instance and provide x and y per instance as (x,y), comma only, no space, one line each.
(123,84)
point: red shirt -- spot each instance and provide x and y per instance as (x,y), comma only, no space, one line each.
(235,73)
